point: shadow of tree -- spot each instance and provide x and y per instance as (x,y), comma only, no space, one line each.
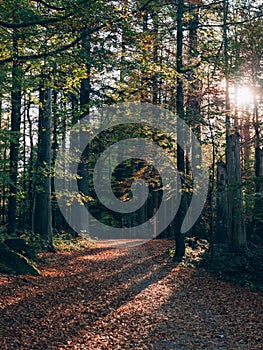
(93,285)
(127,299)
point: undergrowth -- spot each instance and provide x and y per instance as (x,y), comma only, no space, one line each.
(244,268)
(65,242)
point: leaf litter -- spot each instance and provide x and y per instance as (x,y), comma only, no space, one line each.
(130,298)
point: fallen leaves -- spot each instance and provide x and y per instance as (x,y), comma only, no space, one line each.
(106,298)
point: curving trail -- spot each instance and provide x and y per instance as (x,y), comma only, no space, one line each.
(111,298)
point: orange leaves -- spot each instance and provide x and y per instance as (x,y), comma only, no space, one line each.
(104,298)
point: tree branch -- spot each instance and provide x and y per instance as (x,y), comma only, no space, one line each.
(40,22)
(53,20)
(52,7)
(41,55)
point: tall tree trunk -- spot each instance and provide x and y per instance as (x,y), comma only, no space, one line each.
(24,209)
(226,73)
(56,214)
(5,160)
(179,236)
(144,72)
(83,183)
(235,222)
(16,96)
(41,221)
(85,83)
(155,91)
(30,169)
(193,97)
(235,218)
(221,203)
(258,207)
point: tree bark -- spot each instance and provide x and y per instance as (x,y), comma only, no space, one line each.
(193,103)
(221,203)
(155,92)
(144,81)
(4,149)
(226,69)
(235,222)
(258,205)
(85,90)
(15,131)
(179,237)
(85,83)
(41,222)
(258,209)
(30,169)
(235,218)
(57,217)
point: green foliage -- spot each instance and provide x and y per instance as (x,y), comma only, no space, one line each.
(33,240)
(194,252)
(65,242)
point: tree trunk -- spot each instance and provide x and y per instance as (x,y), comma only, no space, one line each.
(193,99)
(235,218)
(155,92)
(4,149)
(41,222)
(14,143)
(83,182)
(85,83)
(24,209)
(258,209)
(235,222)
(258,206)
(221,203)
(56,213)
(30,196)
(226,73)
(179,237)
(144,81)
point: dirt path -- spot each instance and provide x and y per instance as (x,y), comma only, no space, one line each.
(106,298)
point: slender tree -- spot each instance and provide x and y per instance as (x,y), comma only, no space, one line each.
(179,237)
(41,223)
(16,96)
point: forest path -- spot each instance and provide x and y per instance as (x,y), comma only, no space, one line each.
(134,298)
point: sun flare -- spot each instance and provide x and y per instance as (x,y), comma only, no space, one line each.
(244,96)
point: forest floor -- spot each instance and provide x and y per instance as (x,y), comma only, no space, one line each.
(126,298)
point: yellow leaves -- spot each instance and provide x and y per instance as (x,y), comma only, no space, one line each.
(71,197)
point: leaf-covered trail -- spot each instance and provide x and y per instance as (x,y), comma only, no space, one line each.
(106,298)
